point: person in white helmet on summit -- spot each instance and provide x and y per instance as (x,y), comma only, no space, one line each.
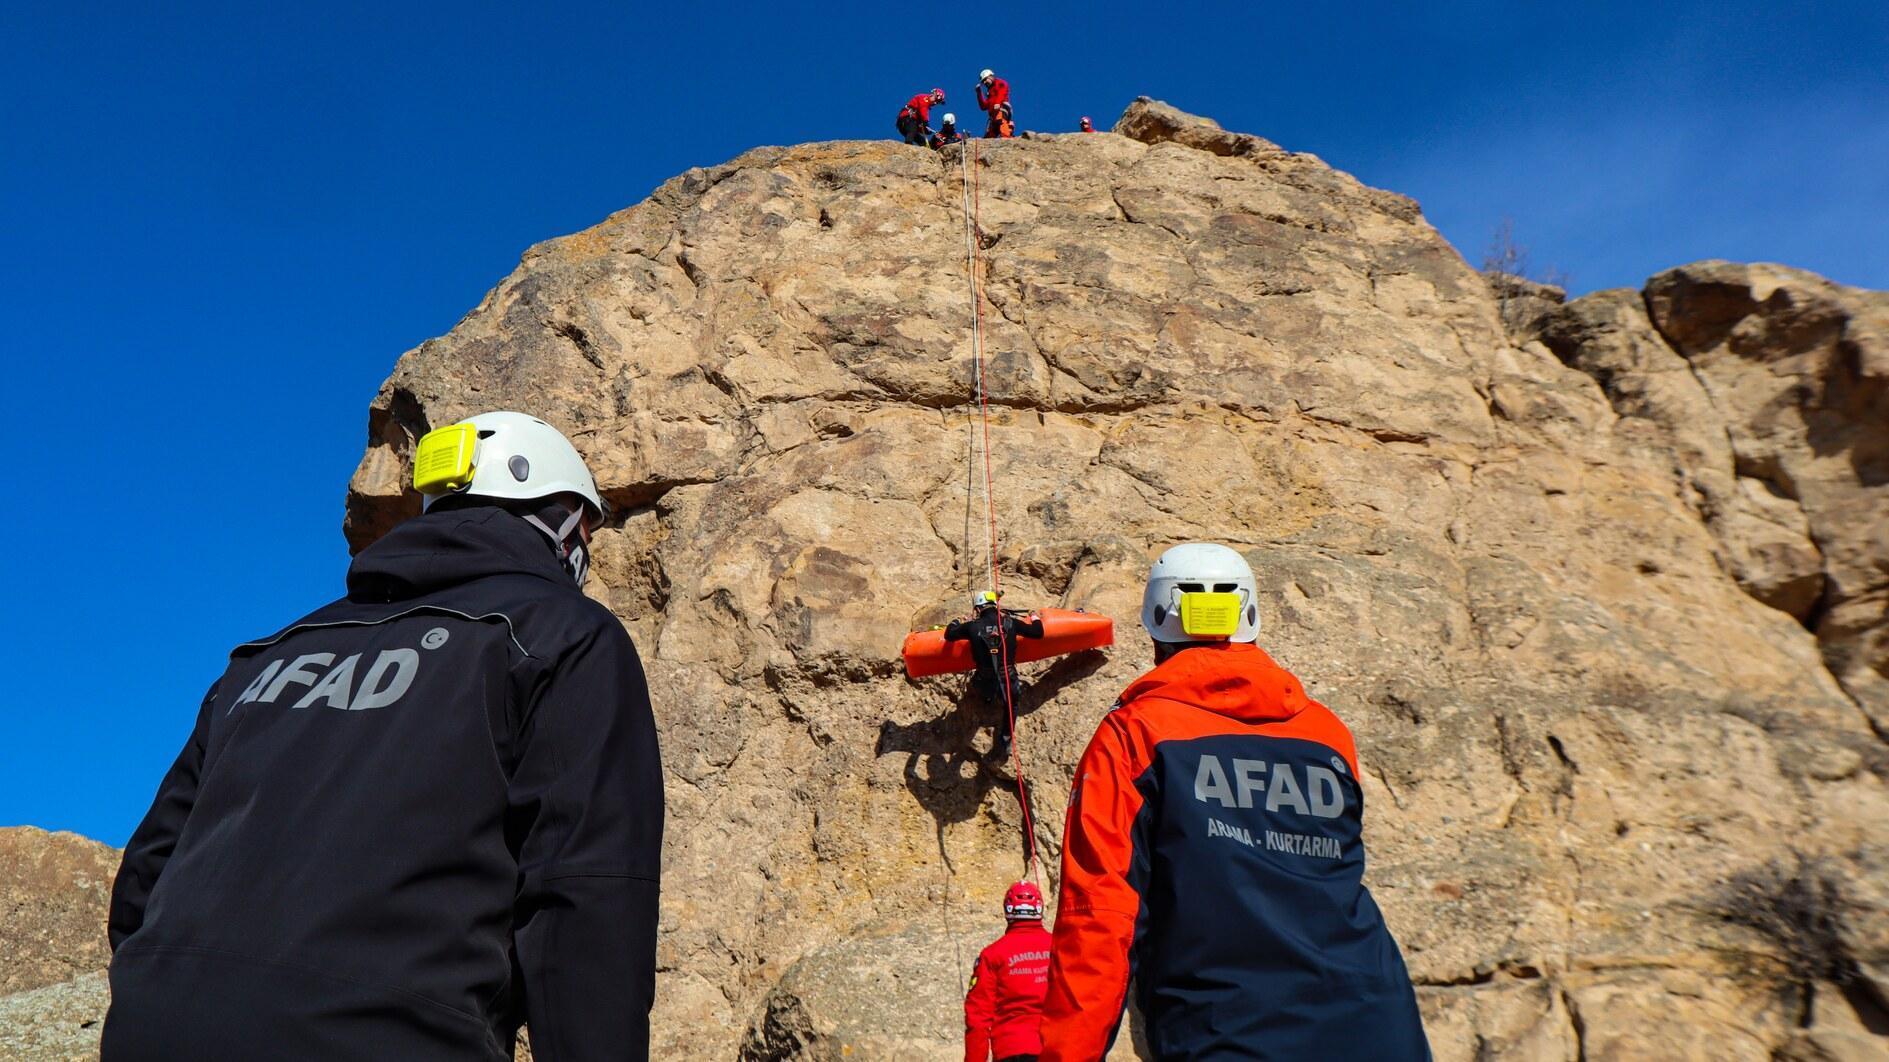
(420,816)
(948,133)
(1213,849)
(993,97)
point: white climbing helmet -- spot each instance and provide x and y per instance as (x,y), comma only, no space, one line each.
(1201,592)
(951,119)
(985,74)
(514,456)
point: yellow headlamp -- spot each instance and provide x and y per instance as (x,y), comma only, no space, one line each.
(443,461)
(1205,615)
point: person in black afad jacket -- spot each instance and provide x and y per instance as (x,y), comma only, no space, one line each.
(422,815)
(993,635)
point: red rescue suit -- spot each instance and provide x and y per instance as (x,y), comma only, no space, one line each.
(1005,1002)
(919,107)
(994,98)
(993,95)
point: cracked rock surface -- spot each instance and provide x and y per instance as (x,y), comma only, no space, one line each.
(1600,592)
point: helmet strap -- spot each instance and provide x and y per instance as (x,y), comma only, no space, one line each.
(568,540)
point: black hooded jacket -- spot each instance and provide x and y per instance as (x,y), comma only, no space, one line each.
(407,823)
(993,634)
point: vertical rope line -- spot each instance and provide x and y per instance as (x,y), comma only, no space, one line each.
(977,354)
(990,501)
(957,949)
(973,571)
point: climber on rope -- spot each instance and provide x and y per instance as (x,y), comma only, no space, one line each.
(993,635)
(993,97)
(948,133)
(915,117)
(1005,1004)
(1214,849)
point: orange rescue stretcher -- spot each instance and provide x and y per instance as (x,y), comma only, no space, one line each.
(1064,631)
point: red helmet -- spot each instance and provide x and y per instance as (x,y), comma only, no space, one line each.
(938,94)
(1023,901)
(1085,122)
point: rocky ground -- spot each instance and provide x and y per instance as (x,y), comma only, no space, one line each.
(1600,585)
(54,888)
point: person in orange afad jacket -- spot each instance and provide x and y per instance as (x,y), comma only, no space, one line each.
(1214,851)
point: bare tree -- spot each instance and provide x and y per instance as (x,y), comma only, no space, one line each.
(1504,254)
(1507,267)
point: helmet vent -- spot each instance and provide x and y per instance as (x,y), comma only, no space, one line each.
(1225,588)
(1192,588)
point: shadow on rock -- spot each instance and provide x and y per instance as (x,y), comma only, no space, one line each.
(943,768)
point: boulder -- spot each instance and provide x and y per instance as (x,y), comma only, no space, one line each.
(55,888)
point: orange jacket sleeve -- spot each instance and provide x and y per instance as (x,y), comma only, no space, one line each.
(980,1012)
(1095,917)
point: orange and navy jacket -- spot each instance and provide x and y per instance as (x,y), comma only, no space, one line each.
(1005,1003)
(995,95)
(1213,856)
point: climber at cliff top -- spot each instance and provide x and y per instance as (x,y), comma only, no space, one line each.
(915,117)
(993,635)
(1087,125)
(421,816)
(947,133)
(1005,1003)
(993,97)
(1213,848)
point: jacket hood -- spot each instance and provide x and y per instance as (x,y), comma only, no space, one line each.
(438,550)
(1234,679)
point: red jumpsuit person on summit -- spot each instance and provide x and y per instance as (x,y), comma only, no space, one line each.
(993,97)
(1005,1002)
(914,122)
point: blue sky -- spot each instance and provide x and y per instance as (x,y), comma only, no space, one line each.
(222,223)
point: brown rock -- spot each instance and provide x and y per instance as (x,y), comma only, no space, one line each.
(1799,369)
(1523,303)
(55,1023)
(55,888)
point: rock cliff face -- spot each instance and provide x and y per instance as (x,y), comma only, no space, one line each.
(1603,599)
(1600,586)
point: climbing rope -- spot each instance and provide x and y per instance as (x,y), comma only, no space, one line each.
(957,948)
(974,263)
(971,570)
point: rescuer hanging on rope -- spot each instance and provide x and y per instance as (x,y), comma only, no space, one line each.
(993,635)
(1005,1004)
